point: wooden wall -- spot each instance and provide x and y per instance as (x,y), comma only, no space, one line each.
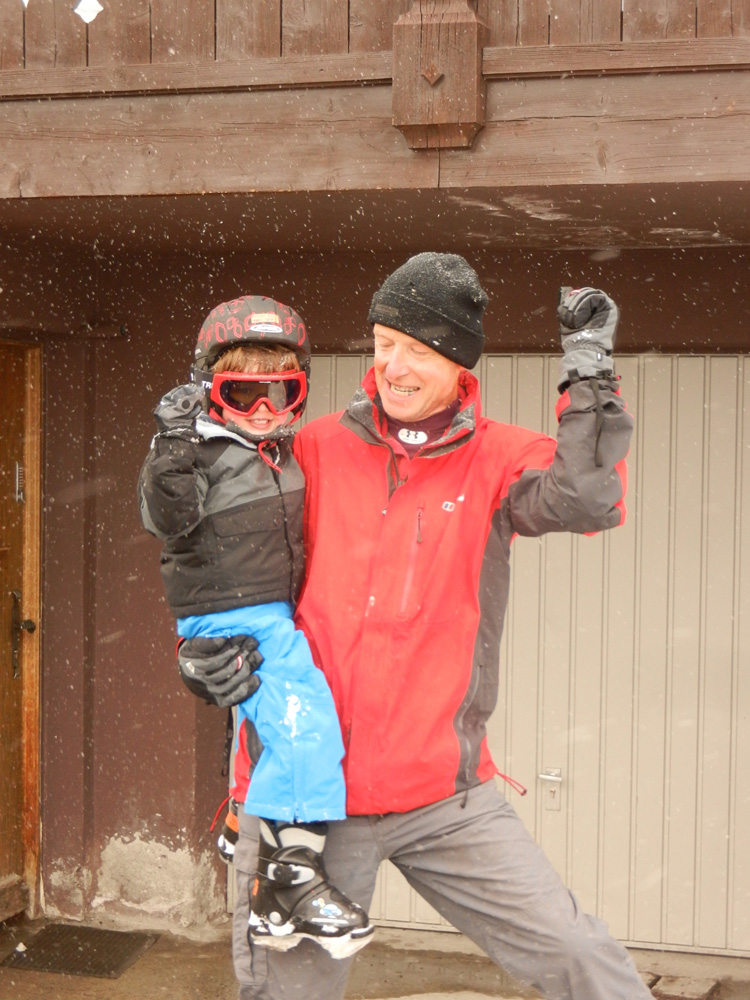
(49,35)
(564,22)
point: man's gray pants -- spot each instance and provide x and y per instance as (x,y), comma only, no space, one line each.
(473,860)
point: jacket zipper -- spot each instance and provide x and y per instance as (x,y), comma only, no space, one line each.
(412,564)
(276,474)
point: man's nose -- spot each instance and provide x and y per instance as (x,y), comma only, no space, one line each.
(397,362)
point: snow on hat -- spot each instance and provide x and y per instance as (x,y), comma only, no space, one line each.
(437,299)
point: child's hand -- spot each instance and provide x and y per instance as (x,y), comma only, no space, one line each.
(176,412)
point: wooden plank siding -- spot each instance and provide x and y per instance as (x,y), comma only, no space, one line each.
(371,25)
(247,30)
(314,27)
(184,32)
(11,36)
(137,32)
(656,19)
(584,21)
(123,37)
(53,39)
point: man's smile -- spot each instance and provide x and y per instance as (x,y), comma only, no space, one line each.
(405,390)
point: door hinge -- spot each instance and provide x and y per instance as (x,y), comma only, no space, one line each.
(19,495)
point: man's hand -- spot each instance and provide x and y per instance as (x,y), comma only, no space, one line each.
(221,671)
(587,322)
(176,412)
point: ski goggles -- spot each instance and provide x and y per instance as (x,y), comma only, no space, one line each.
(242,394)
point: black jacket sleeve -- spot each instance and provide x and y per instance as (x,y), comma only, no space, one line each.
(171,489)
(583,488)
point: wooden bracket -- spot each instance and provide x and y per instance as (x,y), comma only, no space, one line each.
(438,87)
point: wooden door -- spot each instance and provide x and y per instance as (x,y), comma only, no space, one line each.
(19,545)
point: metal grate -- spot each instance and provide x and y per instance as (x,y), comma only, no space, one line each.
(80,951)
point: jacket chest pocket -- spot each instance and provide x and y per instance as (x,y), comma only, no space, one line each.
(252,548)
(252,518)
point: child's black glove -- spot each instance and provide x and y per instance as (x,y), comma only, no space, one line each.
(176,412)
(220,670)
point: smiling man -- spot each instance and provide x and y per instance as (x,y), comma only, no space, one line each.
(412,501)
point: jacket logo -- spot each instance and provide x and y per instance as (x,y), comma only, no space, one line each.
(409,436)
(449,506)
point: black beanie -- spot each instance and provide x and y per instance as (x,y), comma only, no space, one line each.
(437,299)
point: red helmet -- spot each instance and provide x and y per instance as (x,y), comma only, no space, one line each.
(252,319)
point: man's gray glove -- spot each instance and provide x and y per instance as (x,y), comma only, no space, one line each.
(587,320)
(220,670)
(176,412)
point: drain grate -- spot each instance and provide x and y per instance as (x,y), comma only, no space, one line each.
(80,951)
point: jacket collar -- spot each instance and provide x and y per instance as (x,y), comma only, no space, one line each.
(211,430)
(364,415)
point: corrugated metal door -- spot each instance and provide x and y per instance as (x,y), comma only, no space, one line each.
(626,661)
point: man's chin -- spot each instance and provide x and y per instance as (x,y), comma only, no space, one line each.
(400,407)
(404,413)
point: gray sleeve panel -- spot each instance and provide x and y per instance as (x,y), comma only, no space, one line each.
(481,694)
(574,493)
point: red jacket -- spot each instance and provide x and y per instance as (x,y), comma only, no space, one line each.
(407,575)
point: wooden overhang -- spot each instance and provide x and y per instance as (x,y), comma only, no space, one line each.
(636,140)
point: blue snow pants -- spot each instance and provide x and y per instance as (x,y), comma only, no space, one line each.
(298,777)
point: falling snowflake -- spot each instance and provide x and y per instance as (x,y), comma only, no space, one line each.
(87,10)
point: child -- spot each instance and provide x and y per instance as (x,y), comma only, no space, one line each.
(221,488)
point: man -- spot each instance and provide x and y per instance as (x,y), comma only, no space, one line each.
(412,502)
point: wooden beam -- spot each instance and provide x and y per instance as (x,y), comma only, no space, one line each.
(372,68)
(324,139)
(286,72)
(541,155)
(617,129)
(438,87)
(597,59)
